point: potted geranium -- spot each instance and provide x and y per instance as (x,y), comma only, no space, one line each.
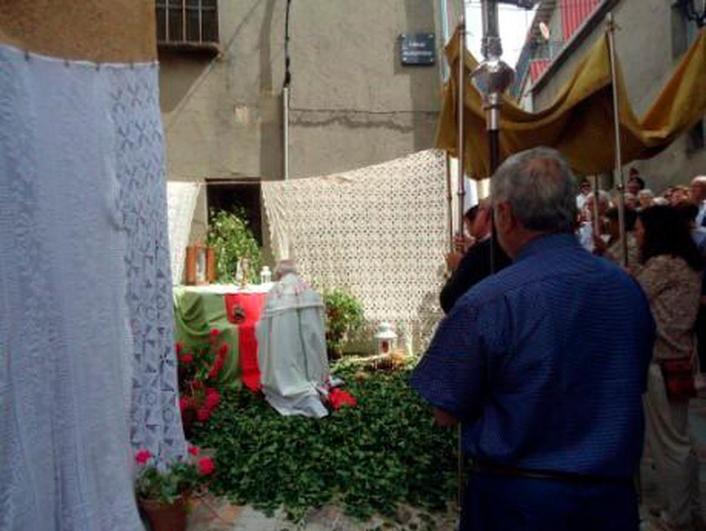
(163,492)
(199,371)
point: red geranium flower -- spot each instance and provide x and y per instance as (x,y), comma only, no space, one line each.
(215,333)
(143,456)
(223,350)
(194,450)
(206,466)
(185,402)
(186,358)
(179,347)
(339,398)
(212,399)
(202,414)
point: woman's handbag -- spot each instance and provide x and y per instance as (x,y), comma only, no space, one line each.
(678,377)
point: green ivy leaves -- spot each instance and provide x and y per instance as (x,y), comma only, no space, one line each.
(370,458)
(344,316)
(231,237)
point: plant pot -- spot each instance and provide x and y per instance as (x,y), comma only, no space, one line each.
(164,516)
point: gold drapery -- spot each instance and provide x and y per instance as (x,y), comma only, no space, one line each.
(579,122)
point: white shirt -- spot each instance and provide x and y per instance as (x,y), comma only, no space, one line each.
(701,216)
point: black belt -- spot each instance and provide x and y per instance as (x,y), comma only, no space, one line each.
(509,471)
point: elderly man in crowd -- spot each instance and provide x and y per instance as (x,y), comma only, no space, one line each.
(475,264)
(544,364)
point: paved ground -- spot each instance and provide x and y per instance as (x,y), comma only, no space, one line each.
(218,515)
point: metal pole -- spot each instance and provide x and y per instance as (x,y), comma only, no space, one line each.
(285,94)
(461,203)
(618,150)
(449,202)
(461,193)
(285,121)
(595,220)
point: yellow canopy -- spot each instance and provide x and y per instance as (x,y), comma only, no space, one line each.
(579,123)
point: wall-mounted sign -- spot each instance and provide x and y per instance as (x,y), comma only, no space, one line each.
(417,49)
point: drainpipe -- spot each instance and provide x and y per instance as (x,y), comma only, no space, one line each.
(285,94)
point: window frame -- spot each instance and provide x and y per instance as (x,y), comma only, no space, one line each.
(163,13)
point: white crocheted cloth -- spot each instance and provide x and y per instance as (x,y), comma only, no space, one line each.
(381,232)
(181,203)
(86,357)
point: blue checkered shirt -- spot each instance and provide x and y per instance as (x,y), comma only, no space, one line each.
(545,363)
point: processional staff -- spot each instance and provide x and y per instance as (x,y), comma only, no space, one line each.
(618,148)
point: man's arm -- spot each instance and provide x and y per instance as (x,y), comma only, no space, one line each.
(451,376)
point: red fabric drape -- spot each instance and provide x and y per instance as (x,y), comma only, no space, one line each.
(251,305)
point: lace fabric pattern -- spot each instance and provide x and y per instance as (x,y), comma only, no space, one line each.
(379,231)
(139,148)
(84,316)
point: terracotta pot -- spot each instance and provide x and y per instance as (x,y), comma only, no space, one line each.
(165,517)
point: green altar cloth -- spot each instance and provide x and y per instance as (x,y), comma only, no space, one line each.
(196,312)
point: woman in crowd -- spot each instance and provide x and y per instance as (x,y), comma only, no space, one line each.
(613,248)
(671,278)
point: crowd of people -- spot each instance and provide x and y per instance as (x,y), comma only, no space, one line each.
(572,362)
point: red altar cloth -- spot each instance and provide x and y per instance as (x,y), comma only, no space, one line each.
(251,305)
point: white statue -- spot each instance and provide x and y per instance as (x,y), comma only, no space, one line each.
(292,346)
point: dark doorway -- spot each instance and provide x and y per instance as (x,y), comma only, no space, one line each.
(237,196)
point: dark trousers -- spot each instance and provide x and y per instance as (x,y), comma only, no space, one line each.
(501,503)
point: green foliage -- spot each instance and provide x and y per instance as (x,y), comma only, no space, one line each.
(181,478)
(371,458)
(344,316)
(232,238)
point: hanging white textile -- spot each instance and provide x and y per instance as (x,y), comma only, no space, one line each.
(292,348)
(181,203)
(86,358)
(380,232)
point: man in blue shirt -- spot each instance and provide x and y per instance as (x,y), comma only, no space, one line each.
(544,364)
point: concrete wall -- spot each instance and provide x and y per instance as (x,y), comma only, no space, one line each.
(352,103)
(644,46)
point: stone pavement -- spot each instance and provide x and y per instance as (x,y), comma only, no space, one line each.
(217,515)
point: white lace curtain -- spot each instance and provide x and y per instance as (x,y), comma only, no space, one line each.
(381,232)
(87,368)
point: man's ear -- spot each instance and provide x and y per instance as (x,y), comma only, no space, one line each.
(504,218)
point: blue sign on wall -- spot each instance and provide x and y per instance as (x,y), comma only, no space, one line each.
(417,49)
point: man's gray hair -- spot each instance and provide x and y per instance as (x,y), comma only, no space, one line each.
(540,188)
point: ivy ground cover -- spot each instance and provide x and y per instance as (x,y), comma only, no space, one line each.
(368,459)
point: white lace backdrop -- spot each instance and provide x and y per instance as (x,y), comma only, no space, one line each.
(181,203)
(381,232)
(86,357)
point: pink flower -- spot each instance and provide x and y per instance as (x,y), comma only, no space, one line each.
(215,333)
(194,450)
(206,466)
(142,456)
(186,358)
(202,414)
